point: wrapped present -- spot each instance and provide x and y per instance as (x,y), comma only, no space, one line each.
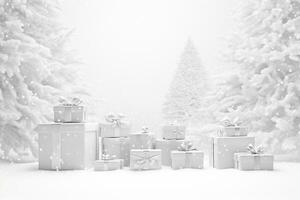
(115,125)
(187,157)
(108,164)
(166,147)
(255,159)
(233,128)
(67,146)
(145,159)
(141,140)
(69,111)
(117,148)
(173,131)
(222,150)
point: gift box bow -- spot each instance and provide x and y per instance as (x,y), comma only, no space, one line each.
(116,120)
(186,147)
(255,150)
(145,130)
(67,102)
(232,123)
(145,159)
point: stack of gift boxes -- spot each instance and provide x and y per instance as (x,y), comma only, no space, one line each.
(233,148)
(70,143)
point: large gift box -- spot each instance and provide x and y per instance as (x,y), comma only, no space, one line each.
(141,140)
(222,150)
(114,126)
(69,112)
(116,148)
(166,147)
(253,160)
(145,159)
(233,128)
(172,131)
(186,157)
(67,146)
(108,164)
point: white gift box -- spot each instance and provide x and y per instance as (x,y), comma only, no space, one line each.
(187,159)
(232,131)
(248,161)
(107,129)
(166,147)
(222,150)
(170,132)
(108,165)
(67,146)
(117,148)
(145,159)
(141,140)
(74,114)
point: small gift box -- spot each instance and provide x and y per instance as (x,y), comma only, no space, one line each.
(145,159)
(107,164)
(187,157)
(69,111)
(233,128)
(166,147)
(255,159)
(222,150)
(173,131)
(67,146)
(115,126)
(141,140)
(116,148)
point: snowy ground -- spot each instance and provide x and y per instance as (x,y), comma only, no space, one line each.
(24,181)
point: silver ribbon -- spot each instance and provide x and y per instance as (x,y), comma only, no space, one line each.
(145,161)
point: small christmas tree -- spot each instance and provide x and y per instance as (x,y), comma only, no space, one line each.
(33,72)
(187,88)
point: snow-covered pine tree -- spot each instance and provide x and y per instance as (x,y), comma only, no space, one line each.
(33,72)
(187,88)
(266,92)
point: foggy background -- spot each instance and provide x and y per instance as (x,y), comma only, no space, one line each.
(131,48)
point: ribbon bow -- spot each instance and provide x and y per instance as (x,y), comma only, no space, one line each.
(257,150)
(73,102)
(145,129)
(186,147)
(145,160)
(231,123)
(115,119)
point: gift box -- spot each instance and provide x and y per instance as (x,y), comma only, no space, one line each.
(187,157)
(117,148)
(233,128)
(141,140)
(114,126)
(145,159)
(166,147)
(170,132)
(108,165)
(67,146)
(255,159)
(222,150)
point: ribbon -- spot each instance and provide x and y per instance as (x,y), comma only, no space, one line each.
(231,123)
(115,119)
(73,102)
(255,150)
(145,161)
(145,129)
(186,147)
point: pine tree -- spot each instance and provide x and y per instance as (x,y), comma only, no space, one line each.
(266,91)
(33,72)
(187,88)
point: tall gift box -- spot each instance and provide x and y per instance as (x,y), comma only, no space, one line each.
(141,140)
(222,150)
(186,157)
(255,159)
(67,146)
(114,126)
(69,111)
(173,131)
(166,147)
(116,148)
(145,159)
